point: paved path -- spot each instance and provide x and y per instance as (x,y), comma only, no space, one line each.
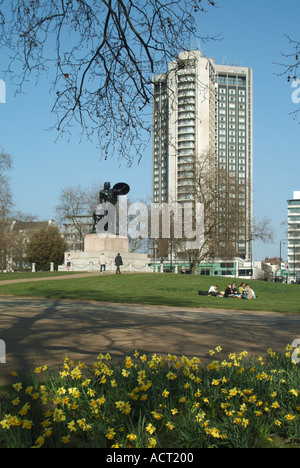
(44,331)
(51,278)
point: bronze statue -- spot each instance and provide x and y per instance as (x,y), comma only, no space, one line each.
(109,195)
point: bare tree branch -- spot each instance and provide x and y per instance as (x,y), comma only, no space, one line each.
(101,56)
(290,68)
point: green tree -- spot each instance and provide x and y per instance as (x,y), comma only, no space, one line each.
(46,245)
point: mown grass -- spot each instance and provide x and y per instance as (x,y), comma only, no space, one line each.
(161,289)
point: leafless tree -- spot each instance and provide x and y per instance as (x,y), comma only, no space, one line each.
(205,191)
(101,56)
(262,231)
(225,216)
(290,69)
(6,206)
(6,202)
(291,64)
(75,211)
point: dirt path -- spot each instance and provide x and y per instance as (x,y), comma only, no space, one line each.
(50,278)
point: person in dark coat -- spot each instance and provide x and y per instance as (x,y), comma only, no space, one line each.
(118,263)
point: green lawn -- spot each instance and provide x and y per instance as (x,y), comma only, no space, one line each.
(161,289)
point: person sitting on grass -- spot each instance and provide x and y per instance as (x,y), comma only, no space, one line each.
(248,293)
(231,290)
(213,291)
(228,292)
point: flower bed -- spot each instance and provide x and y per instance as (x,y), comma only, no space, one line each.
(156,401)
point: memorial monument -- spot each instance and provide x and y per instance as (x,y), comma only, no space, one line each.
(108,196)
(105,235)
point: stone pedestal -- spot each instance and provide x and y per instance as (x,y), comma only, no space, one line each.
(96,244)
(105,243)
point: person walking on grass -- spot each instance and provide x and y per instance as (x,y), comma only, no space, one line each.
(68,262)
(102,262)
(118,263)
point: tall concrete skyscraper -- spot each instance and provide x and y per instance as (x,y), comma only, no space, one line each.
(202,123)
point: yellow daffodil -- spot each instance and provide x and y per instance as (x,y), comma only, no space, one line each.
(83,425)
(125,408)
(5,424)
(18,386)
(110,433)
(170,426)
(26,424)
(275,405)
(58,415)
(46,423)
(150,428)
(156,415)
(152,442)
(72,426)
(90,392)
(233,392)
(24,409)
(40,441)
(290,417)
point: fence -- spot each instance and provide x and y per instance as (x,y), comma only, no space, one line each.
(130,266)
(91,266)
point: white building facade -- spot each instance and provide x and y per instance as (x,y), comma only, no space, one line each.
(202,114)
(294,237)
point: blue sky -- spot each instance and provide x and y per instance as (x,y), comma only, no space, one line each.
(253,35)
